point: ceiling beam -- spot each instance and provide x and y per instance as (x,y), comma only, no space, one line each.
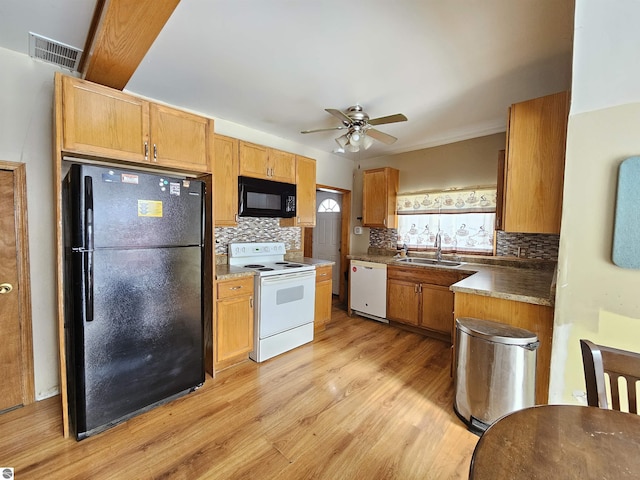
(121,33)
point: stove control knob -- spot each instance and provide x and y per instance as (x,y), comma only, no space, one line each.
(266,249)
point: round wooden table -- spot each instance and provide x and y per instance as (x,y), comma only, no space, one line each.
(559,441)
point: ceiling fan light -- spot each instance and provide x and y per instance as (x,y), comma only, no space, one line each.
(367,141)
(355,138)
(352,148)
(342,140)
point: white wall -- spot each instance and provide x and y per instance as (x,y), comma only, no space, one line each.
(26,110)
(595,299)
(26,129)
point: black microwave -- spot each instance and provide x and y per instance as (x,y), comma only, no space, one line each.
(266,198)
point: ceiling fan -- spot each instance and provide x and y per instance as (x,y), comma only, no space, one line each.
(359,128)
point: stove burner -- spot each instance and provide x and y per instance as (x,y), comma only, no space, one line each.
(292,265)
(253,266)
(265,269)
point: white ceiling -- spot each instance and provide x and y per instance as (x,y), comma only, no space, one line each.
(452,67)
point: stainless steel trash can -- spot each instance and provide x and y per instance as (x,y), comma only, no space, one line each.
(495,371)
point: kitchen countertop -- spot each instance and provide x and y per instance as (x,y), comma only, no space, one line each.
(527,285)
(224,271)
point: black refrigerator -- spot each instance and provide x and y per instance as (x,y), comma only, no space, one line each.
(133,292)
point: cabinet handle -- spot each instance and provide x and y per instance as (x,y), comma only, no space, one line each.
(235,288)
(420,288)
(415,288)
(236,217)
(384,222)
(251,302)
(146,151)
(322,274)
(155,152)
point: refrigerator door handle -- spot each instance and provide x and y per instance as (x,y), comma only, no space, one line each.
(88,287)
(88,258)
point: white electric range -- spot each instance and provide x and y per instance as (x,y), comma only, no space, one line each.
(285,297)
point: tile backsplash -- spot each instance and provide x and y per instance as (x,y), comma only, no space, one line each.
(383,237)
(251,229)
(525,245)
(528,245)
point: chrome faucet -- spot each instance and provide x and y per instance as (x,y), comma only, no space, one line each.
(438,246)
(405,247)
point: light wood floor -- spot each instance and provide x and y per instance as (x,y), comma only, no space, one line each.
(364,401)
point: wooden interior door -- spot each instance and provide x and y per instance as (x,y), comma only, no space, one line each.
(16,360)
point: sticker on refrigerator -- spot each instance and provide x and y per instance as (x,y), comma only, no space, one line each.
(174,189)
(149,208)
(130,178)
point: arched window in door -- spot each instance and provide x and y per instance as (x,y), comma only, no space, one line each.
(328,205)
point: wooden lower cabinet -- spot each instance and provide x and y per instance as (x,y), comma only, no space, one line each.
(420,297)
(234,321)
(535,318)
(324,288)
(403,301)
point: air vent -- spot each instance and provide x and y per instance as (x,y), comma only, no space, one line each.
(50,51)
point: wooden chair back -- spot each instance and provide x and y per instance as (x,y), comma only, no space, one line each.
(598,360)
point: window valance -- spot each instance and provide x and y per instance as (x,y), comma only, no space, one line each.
(472,200)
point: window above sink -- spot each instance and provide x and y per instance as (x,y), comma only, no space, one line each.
(465,219)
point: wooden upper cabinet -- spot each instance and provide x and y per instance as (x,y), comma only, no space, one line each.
(268,163)
(254,160)
(101,122)
(179,139)
(379,195)
(305,194)
(534,165)
(283,166)
(225,152)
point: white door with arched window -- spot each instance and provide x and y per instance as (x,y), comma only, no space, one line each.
(326,234)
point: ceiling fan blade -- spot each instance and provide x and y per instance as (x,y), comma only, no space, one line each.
(398,117)
(323,129)
(381,136)
(341,115)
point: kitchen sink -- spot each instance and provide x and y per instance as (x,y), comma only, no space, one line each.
(428,261)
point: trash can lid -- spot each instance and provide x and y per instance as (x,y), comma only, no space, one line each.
(495,331)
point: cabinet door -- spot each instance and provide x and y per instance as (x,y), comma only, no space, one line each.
(535,164)
(305,194)
(282,166)
(379,194)
(403,302)
(225,172)
(323,304)
(437,308)
(234,327)
(253,160)
(180,139)
(103,122)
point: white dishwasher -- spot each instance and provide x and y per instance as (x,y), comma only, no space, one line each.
(368,289)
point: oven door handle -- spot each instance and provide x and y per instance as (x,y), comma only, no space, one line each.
(286,277)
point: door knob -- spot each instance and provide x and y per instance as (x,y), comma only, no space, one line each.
(5,287)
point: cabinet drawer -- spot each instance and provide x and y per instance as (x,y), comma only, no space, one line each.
(235,287)
(323,273)
(432,276)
